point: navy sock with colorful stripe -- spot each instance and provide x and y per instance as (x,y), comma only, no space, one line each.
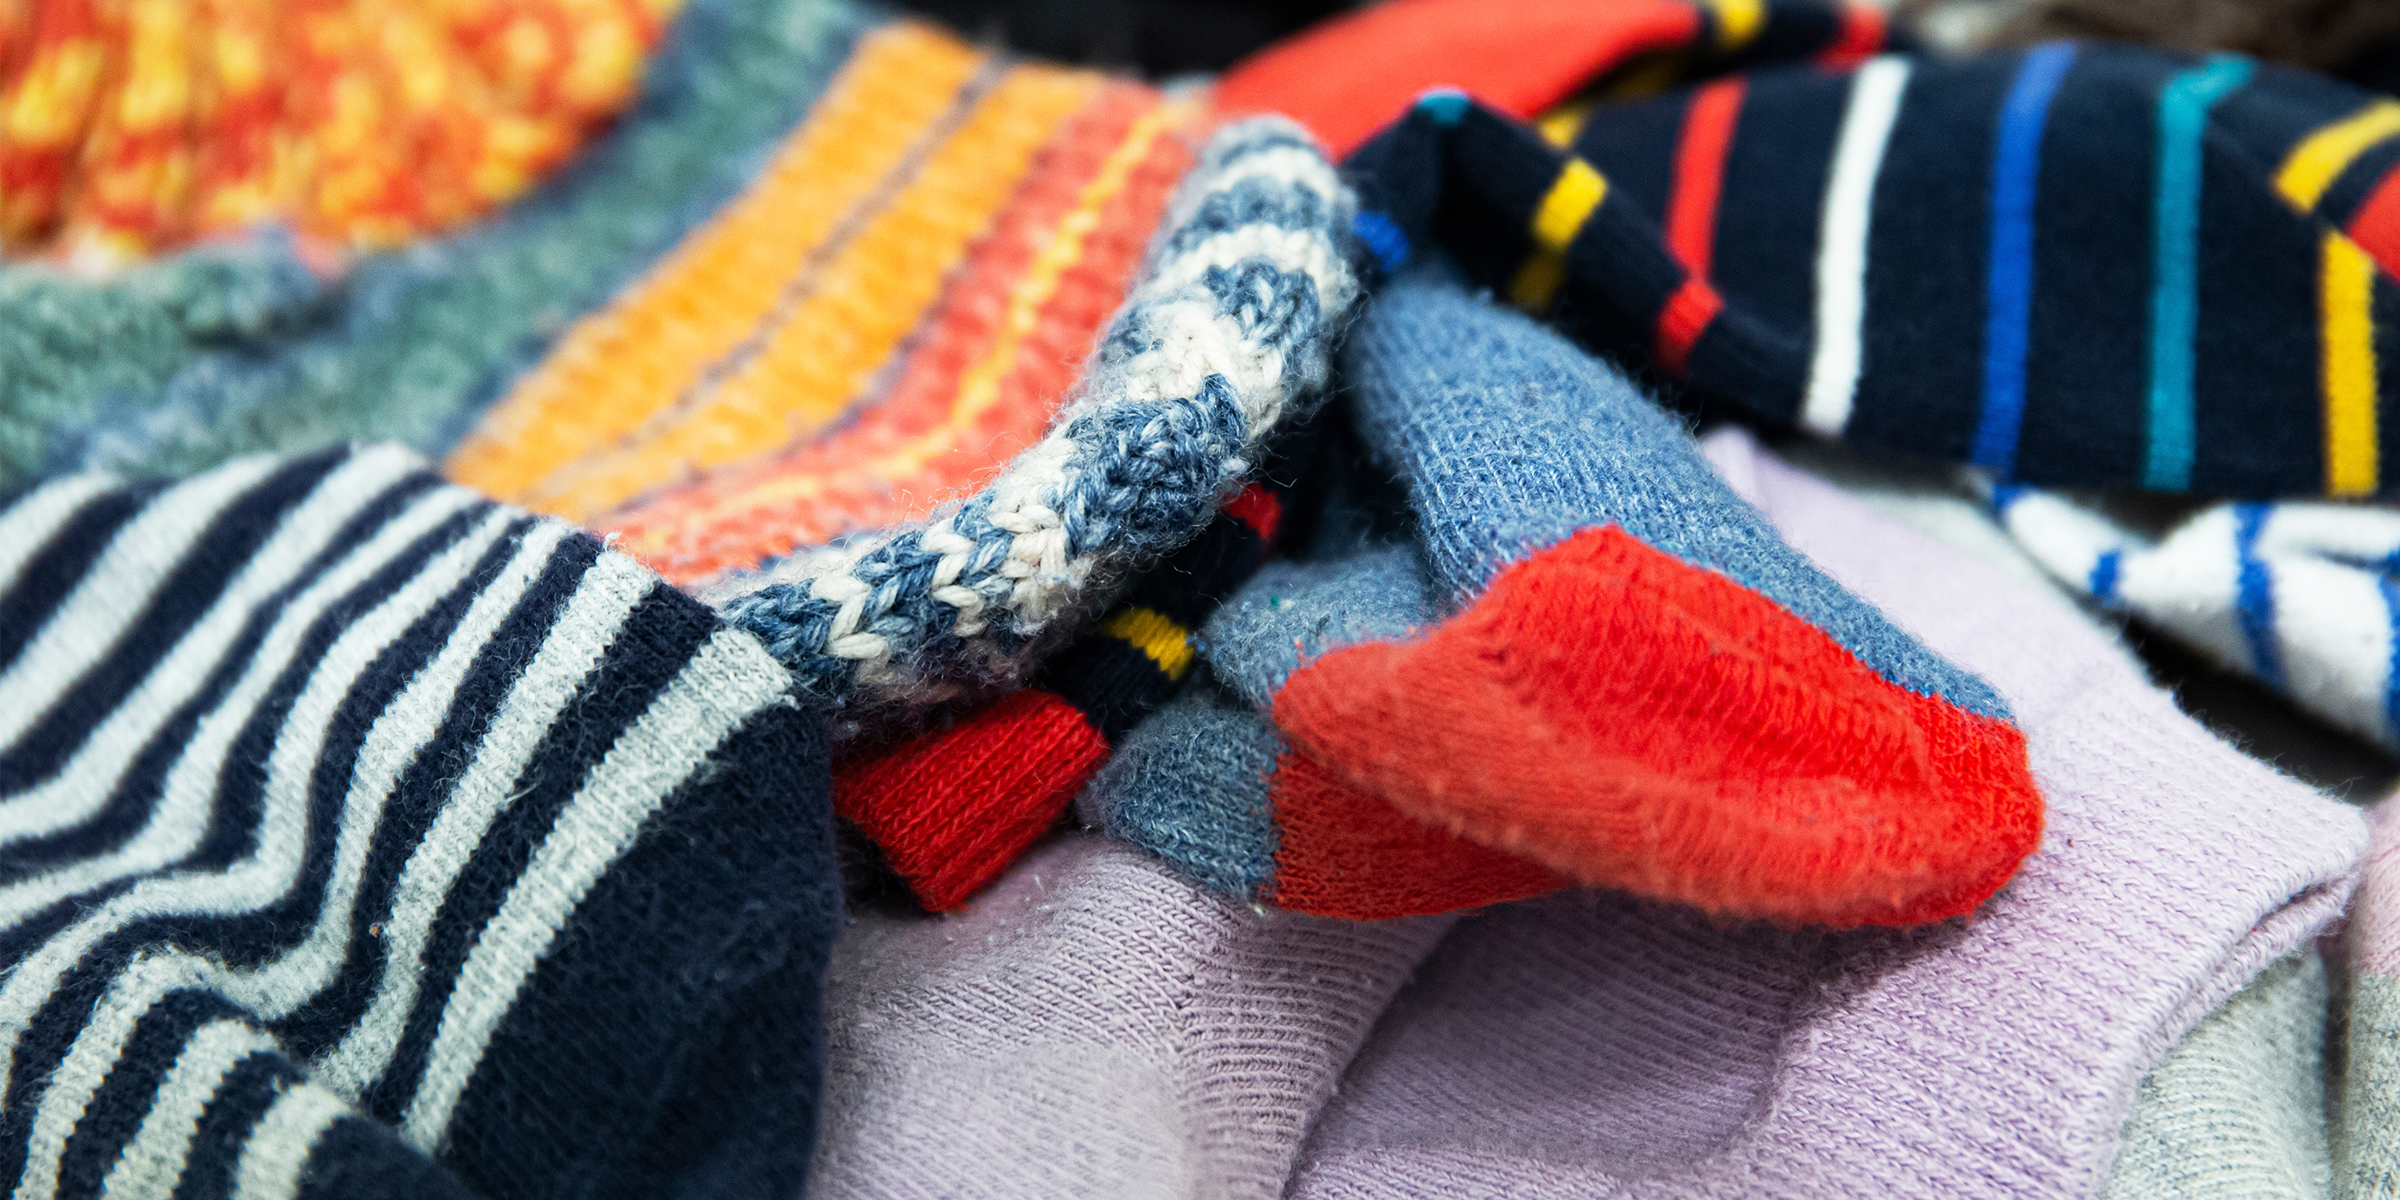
(2076,265)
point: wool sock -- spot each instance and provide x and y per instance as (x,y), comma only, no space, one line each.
(2076,265)
(1589,1044)
(162,368)
(1225,337)
(2303,598)
(1210,787)
(953,808)
(1635,682)
(367,838)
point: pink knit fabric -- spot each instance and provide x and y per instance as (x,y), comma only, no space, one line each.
(1589,1046)
(2374,936)
(1093,1026)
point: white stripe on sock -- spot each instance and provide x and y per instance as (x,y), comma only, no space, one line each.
(152,1164)
(731,678)
(279,1146)
(246,886)
(28,525)
(603,601)
(1875,92)
(93,775)
(121,582)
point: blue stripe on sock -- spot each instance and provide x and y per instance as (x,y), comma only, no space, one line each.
(2016,177)
(2102,583)
(1383,238)
(2391,670)
(2183,108)
(2254,600)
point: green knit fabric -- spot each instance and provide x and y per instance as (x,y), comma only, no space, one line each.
(175,365)
(2370,1125)
(2237,1109)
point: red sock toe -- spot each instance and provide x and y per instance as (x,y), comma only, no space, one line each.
(1348,853)
(1636,722)
(952,809)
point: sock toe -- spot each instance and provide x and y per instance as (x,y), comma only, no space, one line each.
(1611,712)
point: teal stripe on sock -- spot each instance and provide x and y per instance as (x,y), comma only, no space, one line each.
(2183,108)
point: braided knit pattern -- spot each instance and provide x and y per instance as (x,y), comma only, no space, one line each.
(1226,334)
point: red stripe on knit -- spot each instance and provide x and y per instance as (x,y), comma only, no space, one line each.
(1700,173)
(1865,30)
(952,809)
(1708,126)
(1684,319)
(1257,508)
(2376,224)
(1347,853)
(1636,722)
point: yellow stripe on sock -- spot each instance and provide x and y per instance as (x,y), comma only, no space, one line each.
(1738,21)
(1568,204)
(979,386)
(820,354)
(618,367)
(1560,125)
(1167,643)
(2349,312)
(2321,157)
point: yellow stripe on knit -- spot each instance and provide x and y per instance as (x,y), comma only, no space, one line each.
(979,386)
(1149,631)
(2349,313)
(1570,202)
(1738,21)
(819,353)
(1560,126)
(618,367)
(2321,157)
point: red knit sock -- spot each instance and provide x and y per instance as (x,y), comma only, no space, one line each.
(1637,722)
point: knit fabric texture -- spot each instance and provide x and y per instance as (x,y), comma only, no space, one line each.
(1634,681)
(1225,335)
(897,303)
(2238,1108)
(1213,789)
(950,809)
(2302,597)
(2367,1145)
(134,127)
(2075,265)
(367,838)
(1349,77)
(1093,1027)
(182,362)
(1589,1044)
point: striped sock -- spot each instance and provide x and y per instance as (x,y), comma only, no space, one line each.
(2075,265)
(2304,598)
(367,838)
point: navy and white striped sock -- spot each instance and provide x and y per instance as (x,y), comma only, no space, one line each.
(360,836)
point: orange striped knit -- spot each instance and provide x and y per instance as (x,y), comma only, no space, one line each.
(783,312)
(987,377)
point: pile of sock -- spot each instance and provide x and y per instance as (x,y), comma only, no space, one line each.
(877,451)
